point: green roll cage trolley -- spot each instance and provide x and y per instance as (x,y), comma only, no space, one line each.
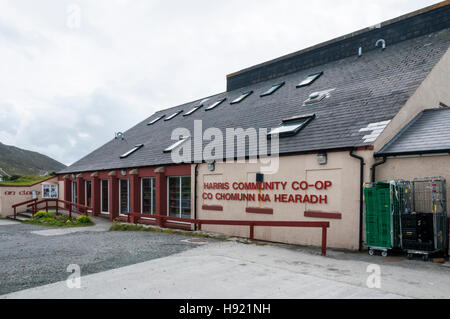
(385,201)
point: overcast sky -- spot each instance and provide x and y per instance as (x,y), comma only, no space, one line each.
(75,72)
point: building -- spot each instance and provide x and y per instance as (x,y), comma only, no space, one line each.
(3,175)
(347,112)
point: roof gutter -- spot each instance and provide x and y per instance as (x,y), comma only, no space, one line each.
(361,198)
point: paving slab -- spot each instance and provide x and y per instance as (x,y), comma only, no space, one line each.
(202,277)
(6,222)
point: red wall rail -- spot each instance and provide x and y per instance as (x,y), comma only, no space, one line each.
(159,220)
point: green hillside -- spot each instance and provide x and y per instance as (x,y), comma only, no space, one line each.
(16,161)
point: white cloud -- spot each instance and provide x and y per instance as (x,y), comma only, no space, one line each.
(65,91)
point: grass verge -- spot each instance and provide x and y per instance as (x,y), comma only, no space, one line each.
(57,220)
(141,228)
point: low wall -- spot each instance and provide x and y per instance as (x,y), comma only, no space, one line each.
(10,195)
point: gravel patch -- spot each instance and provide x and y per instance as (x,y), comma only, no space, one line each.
(28,260)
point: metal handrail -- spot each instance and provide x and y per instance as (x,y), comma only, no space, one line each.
(82,209)
(21,204)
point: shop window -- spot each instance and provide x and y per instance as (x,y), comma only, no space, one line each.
(148,195)
(216,104)
(50,191)
(105,196)
(74,192)
(155,120)
(310,79)
(124,196)
(134,149)
(173,115)
(242,97)
(291,126)
(273,89)
(179,189)
(177,144)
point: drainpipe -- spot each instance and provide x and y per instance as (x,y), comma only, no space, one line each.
(374,167)
(361,193)
(195,194)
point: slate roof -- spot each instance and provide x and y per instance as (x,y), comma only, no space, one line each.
(427,133)
(368,89)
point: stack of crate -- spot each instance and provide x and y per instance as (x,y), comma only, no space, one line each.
(378,216)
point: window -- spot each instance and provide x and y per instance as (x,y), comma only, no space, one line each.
(173,115)
(215,104)
(273,89)
(74,194)
(148,191)
(179,189)
(134,149)
(49,191)
(88,194)
(177,144)
(124,196)
(104,196)
(291,127)
(155,120)
(242,97)
(309,80)
(193,110)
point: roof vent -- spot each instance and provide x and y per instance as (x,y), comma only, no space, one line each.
(120,135)
(316,97)
(383,44)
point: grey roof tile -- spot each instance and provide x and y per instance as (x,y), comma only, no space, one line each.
(429,132)
(369,89)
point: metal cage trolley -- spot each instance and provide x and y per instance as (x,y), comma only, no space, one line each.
(384,203)
(424,230)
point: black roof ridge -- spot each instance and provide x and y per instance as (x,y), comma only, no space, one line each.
(346,36)
(285,64)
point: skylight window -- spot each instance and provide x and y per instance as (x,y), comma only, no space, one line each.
(242,97)
(134,149)
(202,102)
(215,104)
(173,115)
(273,89)
(309,80)
(176,144)
(193,110)
(155,120)
(292,126)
